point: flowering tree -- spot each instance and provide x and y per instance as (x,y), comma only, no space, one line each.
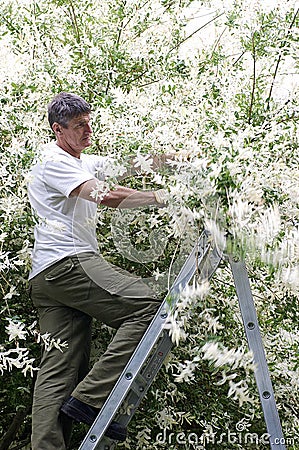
(215,84)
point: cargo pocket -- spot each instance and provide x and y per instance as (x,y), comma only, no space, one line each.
(60,270)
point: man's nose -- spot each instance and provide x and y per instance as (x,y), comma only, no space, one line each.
(88,128)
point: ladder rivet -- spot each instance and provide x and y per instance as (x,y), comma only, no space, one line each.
(266,394)
(129,376)
(141,388)
(251,326)
(93,438)
(163,315)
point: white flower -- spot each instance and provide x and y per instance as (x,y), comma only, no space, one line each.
(210,350)
(112,168)
(144,162)
(270,224)
(157,274)
(18,358)
(100,191)
(221,356)
(176,330)
(16,330)
(290,276)
(226,377)
(218,234)
(3,236)
(119,95)
(49,342)
(187,370)
(11,293)
(239,391)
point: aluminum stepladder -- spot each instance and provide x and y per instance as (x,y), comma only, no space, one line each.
(156,344)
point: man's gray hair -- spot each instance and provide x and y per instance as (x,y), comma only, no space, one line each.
(65,106)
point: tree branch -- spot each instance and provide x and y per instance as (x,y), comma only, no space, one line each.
(120,29)
(74,21)
(239,57)
(13,429)
(280,58)
(21,445)
(254,80)
(18,420)
(194,32)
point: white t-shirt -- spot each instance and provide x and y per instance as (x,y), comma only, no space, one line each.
(65,225)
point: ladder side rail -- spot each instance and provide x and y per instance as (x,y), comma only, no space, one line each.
(139,388)
(125,382)
(145,378)
(195,262)
(255,344)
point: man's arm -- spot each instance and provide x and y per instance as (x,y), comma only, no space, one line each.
(120,197)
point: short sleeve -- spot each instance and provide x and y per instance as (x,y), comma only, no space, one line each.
(95,165)
(64,176)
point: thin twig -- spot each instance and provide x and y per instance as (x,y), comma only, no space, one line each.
(148,83)
(279,59)
(194,32)
(217,42)
(218,39)
(120,29)
(137,77)
(137,10)
(254,80)
(180,43)
(239,57)
(293,409)
(74,22)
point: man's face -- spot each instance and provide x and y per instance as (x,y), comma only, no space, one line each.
(76,136)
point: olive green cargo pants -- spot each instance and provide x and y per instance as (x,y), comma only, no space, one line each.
(68,295)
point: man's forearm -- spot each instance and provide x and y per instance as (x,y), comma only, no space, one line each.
(118,197)
(122,197)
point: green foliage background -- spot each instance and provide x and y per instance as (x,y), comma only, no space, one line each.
(222,105)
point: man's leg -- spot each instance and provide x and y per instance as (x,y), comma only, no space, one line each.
(112,297)
(131,317)
(59,372)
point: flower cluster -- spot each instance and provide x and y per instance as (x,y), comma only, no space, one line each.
(19,357)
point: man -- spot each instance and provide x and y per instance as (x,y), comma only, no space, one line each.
(70,283)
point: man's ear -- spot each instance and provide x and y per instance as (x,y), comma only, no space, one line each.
(57,128)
